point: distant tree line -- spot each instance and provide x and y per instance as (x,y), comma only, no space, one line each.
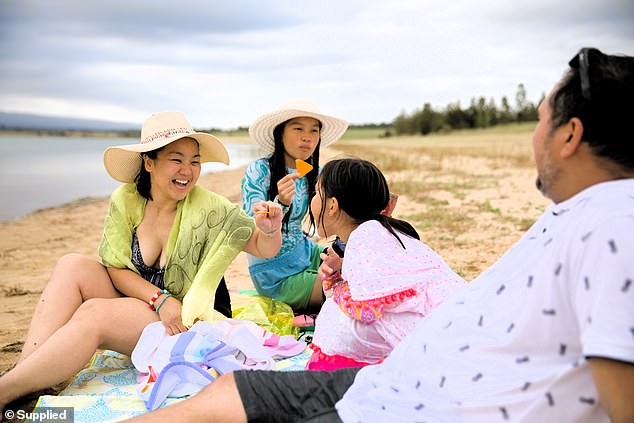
(115,133)
(480,114)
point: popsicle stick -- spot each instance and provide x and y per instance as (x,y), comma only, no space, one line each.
(262,212)
(302,167)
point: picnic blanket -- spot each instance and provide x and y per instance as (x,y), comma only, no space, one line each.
(108,389)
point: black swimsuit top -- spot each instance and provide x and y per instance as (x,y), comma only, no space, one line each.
(150,274)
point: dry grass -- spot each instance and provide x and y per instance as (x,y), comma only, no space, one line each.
(14,291)
(469,195)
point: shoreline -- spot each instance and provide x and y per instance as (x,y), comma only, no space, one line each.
(90,199)
(63,170)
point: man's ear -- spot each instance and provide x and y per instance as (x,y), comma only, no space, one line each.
(573,130)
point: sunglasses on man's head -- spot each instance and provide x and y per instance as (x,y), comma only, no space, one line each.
(582,62)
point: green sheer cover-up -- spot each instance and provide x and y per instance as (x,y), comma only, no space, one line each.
(207,234)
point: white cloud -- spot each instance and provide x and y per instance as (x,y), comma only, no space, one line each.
(224,63)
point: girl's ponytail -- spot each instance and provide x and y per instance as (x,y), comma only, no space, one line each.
(396,225)
(402,226)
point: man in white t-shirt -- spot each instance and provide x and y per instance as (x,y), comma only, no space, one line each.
(545,335)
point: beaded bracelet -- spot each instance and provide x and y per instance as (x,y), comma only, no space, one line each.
(155,297)
(332,280)
(162,301)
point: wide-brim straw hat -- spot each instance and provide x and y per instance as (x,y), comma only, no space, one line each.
(123,162)
(261,131)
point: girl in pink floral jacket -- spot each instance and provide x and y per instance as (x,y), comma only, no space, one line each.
(388,281)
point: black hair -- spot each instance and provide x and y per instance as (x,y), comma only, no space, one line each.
(598,90)
(142,180)
(277,164)
(362,193)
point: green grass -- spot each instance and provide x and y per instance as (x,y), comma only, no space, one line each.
(455,188)
(378,134)
(444,220)
(351,134)
(500,149)
(366,133)
(524,223)
(486,206)
(510,128)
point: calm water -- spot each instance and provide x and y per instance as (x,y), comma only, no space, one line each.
(39,172)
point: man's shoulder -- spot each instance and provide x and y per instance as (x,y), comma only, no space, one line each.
(606,204)
(607,194)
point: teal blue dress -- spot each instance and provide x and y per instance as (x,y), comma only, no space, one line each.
(297,252)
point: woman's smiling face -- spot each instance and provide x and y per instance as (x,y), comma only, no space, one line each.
(175,170)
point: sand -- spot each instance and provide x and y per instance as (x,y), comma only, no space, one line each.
(30,246)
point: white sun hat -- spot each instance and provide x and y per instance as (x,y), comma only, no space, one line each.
(123,162)
(261,131)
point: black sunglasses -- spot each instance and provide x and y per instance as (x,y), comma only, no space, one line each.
(582,62)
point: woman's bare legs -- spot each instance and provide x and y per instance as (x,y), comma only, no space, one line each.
(114,324)
(74,279)
(218,402)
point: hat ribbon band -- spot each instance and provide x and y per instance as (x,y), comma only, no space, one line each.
(166,133)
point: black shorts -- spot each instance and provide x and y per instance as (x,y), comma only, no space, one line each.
(270,396)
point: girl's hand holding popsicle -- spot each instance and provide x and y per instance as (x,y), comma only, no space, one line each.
(268,217)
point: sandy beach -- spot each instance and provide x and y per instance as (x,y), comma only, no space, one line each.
(472,205)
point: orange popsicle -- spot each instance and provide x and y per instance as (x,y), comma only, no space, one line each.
(302,167)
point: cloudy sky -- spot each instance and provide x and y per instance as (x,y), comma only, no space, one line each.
(225,62)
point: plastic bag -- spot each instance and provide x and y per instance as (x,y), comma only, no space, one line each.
(272,315)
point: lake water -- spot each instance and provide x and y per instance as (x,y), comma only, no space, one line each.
(38,172)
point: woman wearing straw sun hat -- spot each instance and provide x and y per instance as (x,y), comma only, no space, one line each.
(297,130)
(166,245)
